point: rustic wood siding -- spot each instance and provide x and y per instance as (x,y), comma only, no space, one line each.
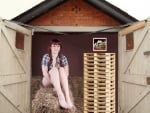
(134,70)
(15,69)
(75,13)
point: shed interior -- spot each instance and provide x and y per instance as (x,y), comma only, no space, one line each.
(74,45)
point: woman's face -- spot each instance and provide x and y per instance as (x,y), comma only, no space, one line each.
(55,48)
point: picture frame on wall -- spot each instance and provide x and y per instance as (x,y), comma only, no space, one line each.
(99,44)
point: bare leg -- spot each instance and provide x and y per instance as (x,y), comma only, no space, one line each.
(56,83)
(65,86)
(46,81)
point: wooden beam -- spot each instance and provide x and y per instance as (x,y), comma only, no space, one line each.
(137,100)
(17,27)
(136,79)
(13,79)
(132,28)
(11,99)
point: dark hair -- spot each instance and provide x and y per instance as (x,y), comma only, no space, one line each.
(55,42)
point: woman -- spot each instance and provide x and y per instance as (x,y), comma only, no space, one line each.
(56,71)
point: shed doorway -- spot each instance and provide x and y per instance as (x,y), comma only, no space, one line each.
(75,44)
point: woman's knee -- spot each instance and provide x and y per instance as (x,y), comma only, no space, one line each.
(46,82)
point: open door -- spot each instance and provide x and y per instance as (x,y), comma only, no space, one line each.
(15,67)
(134,70)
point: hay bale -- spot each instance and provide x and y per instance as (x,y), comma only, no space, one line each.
(36,84)
(46,101)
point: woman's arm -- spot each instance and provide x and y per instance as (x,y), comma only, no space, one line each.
(44,65)
(66,68)
(64,61)
(45,71)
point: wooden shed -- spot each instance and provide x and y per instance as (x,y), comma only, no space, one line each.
(74,23)
(79,24)
(15,69)
(134,72)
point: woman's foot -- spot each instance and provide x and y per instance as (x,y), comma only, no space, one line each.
(69,105)
(63,104)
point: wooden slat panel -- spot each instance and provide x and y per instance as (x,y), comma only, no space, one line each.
(11,99)
(139,43)
(135,79)
(137,100)
(99,82)
(13,79)
(15,85)
(7,36)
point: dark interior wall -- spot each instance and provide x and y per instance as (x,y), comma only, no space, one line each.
(74,45)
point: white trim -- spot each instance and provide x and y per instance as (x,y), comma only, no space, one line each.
(76,29)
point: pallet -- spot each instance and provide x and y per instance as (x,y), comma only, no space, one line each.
(99,83)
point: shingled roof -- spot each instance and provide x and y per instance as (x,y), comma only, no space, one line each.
(102,5)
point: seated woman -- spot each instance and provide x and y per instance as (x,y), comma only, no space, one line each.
(55,71)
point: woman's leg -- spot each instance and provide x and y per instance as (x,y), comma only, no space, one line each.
(65,86)
(55,79)
(46,81)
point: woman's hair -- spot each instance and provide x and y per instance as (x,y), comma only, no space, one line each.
(55,42)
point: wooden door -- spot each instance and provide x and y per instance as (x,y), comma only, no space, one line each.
(15,68)
(134,72)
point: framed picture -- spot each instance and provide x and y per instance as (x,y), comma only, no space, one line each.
(99,44)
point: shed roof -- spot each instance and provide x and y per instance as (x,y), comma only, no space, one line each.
(102,5)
